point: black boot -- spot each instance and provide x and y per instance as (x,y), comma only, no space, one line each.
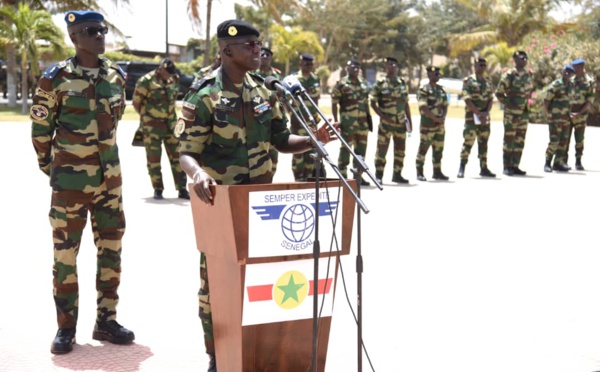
(461,171)
(212,362)
(112,331)
(420,175)
(63,341)
(578,165)
(438,175)
(518,172)
(547,167)
(184,194)
(485,172)
(158,195)
(561,167)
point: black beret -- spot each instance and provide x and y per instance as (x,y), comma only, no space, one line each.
(236,28)
(265,49)
(353,62)
(391,59)
(74,17)
(432,69)
(519,53)
(480,60)
(306,57)
(168,65)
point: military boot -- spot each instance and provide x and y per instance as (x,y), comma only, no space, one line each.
(547,166)
(578,165)
(485,172)
(561,167)
(461,171)
(212,362)
(438,175)
(420,175)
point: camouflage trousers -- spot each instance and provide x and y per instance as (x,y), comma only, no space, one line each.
(154,137)
(515,130)
(204,308)
(559,130)
(577,129)
(471,132)
(434,138)
(68,217)
(355,135)
(303,165)
(385,132)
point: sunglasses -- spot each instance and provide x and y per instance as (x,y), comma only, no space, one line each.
(265,55)
(93,31)
(250,45)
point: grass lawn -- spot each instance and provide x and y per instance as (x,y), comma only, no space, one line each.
(454,111)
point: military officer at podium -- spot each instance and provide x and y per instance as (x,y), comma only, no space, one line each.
(228,124)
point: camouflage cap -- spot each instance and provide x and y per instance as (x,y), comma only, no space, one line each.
(235,28)
(74,17)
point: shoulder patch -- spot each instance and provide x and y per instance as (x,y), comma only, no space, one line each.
(257,78)
(51,72)
(38,112)
(201,83)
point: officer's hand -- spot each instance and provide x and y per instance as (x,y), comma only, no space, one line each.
(326,134)
(202,181)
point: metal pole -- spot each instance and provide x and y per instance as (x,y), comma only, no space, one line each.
(166,28)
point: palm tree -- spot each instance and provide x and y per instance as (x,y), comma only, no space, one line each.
(507,20)
(24,29)
(287,44)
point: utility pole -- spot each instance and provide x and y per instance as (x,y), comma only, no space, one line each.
(166,28)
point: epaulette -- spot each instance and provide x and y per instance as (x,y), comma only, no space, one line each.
(119,70)
(259,79)
(201,83)
(51,72)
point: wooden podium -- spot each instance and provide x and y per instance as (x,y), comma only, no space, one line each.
(222,233)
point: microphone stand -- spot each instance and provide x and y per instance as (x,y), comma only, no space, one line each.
(362,167)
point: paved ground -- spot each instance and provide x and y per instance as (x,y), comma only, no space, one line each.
(468,275)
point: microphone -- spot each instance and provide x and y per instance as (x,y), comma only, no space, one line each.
(292,84)
(273,84)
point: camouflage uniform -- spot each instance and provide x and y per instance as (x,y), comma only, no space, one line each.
(432,134)
(558,95)
(353,100)
(479,91)
(584,90)
(303,165)
(157,119)
(391,96)
(74,131)
(273,153)
(513,91)
(230,134)
(203,72)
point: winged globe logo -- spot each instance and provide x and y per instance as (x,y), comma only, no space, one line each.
(298,223)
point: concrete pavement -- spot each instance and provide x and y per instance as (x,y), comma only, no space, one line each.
(469,275)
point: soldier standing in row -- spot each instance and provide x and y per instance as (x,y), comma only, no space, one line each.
(77,105)
(351,93)
(222,136)
(514,91)
(433,106)
(389,100)
(583,96)
(265,70)
(154,100)
(208,70)
(478,96)
(303,164)
(557,105)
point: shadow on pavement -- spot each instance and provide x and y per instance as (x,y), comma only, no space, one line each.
(105,357)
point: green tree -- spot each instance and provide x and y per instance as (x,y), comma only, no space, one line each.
(25,28)
(288,43)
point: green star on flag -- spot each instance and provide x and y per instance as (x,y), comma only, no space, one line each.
(290,290)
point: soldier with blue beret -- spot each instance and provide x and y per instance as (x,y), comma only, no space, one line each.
(76,108)
(582,97)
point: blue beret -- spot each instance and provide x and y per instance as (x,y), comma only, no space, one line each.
(569,68)
(236,28)
(306,57)
(579,61)
(74,17)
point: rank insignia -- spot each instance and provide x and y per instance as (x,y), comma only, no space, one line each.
(232,31)
(42,93)
(262,107)
(225,100)
(38,112)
